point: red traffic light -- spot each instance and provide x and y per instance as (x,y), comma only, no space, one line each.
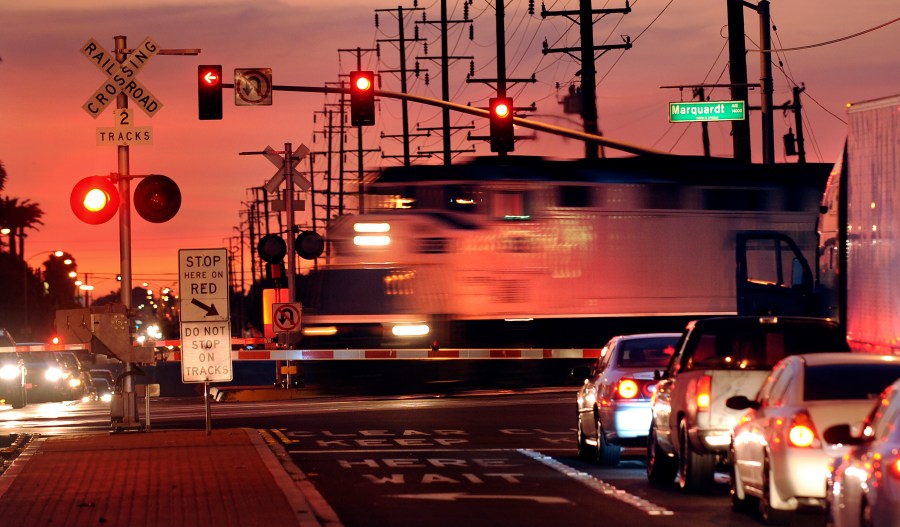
(362,98)
(209,92)
(94,200)
(503,137)
(157,199)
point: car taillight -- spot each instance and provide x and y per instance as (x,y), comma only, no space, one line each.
(894,468)
(704,387)
(802,432)
(628,389)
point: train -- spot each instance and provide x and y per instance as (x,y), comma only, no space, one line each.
(526,252)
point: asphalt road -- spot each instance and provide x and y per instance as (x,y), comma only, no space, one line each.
(486,459)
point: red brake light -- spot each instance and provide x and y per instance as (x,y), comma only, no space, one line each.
(628,389)
(802,432)
(894,468)
(704,388)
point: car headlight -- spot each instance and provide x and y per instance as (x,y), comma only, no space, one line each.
(53,374)
(106,397)
(74,383)
(9,372)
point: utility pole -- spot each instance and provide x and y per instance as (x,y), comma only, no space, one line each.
(737,68)
(585,15)
(445,69)
(501,79)
(401,40)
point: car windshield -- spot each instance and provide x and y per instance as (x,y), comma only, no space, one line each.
(646,353)
(829,382)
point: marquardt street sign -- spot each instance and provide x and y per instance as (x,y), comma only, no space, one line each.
(121,77)
(124,133)
(203,285)
(206,352)
(691,112)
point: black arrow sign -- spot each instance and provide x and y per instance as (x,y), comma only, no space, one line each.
(210,309)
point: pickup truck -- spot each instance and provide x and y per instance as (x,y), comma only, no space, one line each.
(717,358)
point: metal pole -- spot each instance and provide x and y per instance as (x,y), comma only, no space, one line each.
(289,202)
(206,407)
(129,417)
(588,77)
(765,81)
(445,83)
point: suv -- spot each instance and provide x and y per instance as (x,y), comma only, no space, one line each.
(12,373)
(44,377)
(717,358)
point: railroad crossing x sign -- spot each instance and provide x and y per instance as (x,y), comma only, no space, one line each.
(121,77)
(278,160)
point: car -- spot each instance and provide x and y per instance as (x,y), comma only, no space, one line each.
(103,373)
(613,404)
(716,358)
(74,374)
(101,389)
(44,379)
(12,373)
(863,486)
(778,458)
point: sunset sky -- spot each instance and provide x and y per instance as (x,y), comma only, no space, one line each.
(47,141)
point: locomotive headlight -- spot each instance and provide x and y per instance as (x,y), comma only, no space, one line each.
(371,227)
(371,234)
(9,372)
(410,330)
(371,240)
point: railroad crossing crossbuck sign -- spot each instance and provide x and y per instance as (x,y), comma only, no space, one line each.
(286,317)
(121,77)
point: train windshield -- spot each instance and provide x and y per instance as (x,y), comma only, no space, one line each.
(373,291)
(454,198)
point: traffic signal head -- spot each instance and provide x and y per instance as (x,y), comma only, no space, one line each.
(503,137)
(209,92)
(94,200)
(157,198)
(271,248)
(362,98)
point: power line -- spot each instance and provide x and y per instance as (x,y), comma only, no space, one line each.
(826,43)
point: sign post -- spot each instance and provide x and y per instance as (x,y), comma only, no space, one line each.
(205,319)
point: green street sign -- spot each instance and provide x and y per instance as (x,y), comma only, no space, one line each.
(692,112)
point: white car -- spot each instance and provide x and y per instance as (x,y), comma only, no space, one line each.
(864,486)
(614,401)
(779,458)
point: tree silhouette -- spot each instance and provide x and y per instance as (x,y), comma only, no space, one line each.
(17,217)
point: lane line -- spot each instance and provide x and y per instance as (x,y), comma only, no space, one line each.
(599,486)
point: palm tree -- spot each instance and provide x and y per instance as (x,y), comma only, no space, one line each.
(17,217)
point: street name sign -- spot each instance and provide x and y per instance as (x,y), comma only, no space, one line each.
(691,112)
(121,77)
(206,352)
(253,86)
(203,285)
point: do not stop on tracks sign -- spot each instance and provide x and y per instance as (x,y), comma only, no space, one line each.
(205,318)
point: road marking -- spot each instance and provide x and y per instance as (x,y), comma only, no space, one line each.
(599,486)
(456,496)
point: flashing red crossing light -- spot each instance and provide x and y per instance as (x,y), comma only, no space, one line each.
(209,92)
(362,98)
(503,137)
(95,200)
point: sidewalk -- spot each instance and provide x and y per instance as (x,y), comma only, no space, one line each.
(167,478)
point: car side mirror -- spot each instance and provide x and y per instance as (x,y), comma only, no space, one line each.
(657,375)
(741,402)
